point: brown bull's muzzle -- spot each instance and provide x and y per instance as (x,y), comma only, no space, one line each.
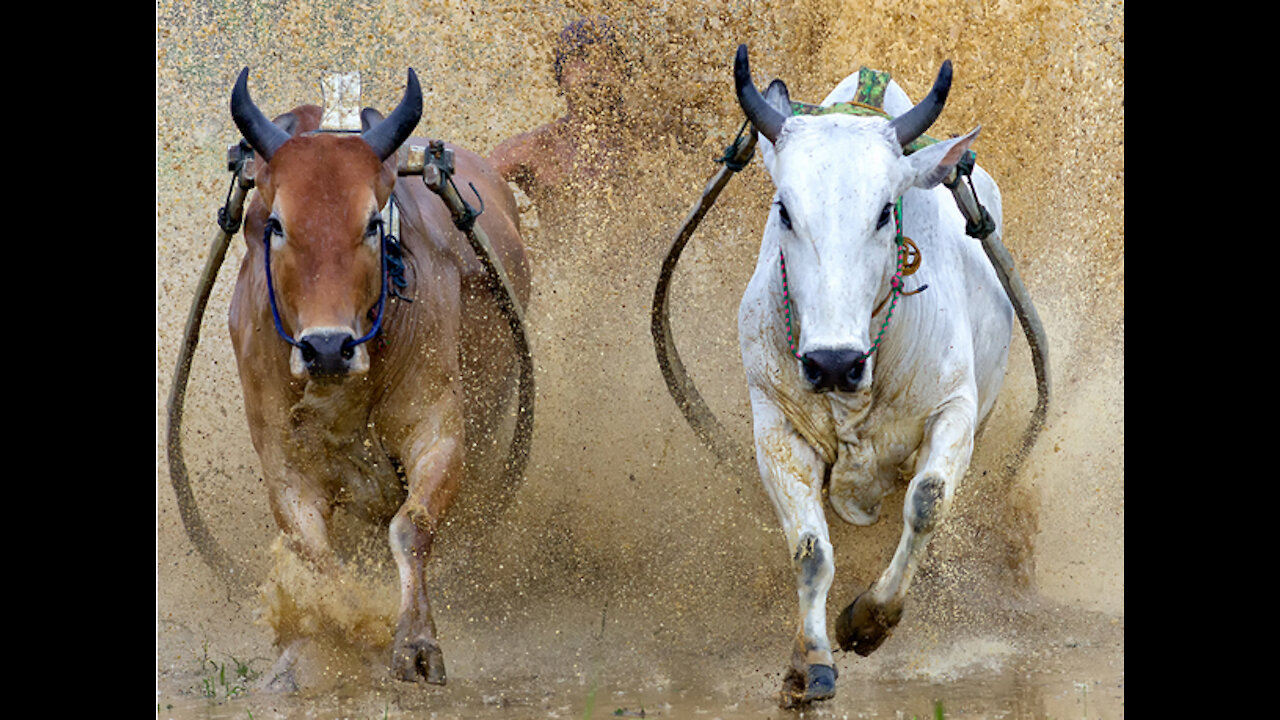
(328,353)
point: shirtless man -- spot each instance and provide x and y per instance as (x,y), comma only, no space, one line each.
(590,70)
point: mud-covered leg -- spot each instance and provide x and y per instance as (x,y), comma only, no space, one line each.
(943,460)
(433,469)
(302,512)
(792,475)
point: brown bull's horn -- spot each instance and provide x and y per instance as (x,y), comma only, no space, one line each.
(912,123)
(387,136)
(763,116)
(265,136)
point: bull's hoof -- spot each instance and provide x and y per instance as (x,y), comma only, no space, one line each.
(822,683)
(863,626)
(792,689)
(282,677)
(818,682)
(417,661)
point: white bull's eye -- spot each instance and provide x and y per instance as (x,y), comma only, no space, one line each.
(783,216)
(885,214)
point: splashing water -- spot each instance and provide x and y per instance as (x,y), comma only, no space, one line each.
(630,566)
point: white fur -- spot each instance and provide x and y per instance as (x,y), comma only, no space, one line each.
(933,378)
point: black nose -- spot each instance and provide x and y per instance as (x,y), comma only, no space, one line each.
(327,354)
(833,369)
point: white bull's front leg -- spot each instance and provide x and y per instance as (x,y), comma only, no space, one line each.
(792,474)
(942,461)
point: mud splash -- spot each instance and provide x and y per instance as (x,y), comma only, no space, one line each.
(631,572)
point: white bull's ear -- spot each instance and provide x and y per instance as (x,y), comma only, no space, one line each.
(932,165)
(778,97)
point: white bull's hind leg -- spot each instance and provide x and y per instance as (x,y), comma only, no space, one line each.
(792,475)
(942,462)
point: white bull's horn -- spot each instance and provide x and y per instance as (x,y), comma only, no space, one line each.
(914,122)
(265,136)
(763,116)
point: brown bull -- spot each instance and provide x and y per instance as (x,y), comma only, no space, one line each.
(352,397)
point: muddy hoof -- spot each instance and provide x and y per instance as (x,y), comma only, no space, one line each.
(282,678)
(792,692)
(863,626)
(817,683)
(279,682)
(417,661)
(822,683)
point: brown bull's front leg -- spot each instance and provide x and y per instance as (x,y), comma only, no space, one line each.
(433,474)
(303,511)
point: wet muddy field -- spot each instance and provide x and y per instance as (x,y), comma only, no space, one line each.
(632,576)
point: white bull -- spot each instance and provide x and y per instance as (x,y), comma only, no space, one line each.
(837,396)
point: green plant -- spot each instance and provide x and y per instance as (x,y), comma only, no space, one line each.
(937,711)
(216,681)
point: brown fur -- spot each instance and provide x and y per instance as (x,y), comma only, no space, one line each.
(442,364)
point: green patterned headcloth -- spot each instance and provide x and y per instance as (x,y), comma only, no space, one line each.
(867,100)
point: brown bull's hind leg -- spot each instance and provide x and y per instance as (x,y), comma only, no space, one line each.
(416,653)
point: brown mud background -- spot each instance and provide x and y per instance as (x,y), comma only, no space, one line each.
(632,572)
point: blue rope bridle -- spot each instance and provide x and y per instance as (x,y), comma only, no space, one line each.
(349,345)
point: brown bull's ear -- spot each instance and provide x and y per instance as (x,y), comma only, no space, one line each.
(368,118)
(287,122)
(387,136)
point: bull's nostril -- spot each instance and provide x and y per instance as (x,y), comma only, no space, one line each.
(855,372)
(328,354)
(834,369)
(812,372)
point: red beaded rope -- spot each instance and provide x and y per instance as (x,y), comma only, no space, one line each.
(895,285)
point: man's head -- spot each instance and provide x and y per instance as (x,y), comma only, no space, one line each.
(589,66)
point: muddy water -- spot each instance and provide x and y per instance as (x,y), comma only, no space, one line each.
(632,574)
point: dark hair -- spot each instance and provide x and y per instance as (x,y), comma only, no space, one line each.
(578,36)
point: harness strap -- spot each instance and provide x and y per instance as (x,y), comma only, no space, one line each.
(732,157)
(393,251)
